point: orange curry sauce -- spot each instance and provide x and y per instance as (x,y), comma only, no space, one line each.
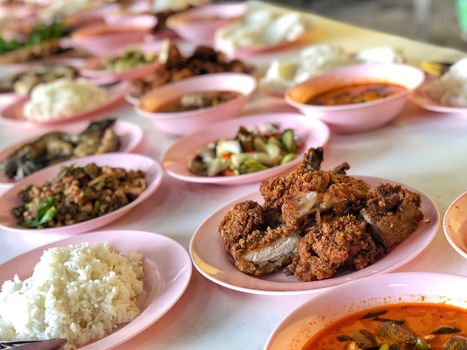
(358,93)
(421,319)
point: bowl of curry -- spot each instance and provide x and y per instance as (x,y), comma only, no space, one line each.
(357,98)
(405,311)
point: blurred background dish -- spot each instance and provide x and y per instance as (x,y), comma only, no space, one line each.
(367,114)
(194,104)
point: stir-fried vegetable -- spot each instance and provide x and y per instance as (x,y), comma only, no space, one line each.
(249,152)
(129,59)
(39,34)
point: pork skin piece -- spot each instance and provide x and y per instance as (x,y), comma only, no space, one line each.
(264,252)
(393,213)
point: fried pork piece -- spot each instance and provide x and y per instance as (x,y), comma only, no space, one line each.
(255,240)
(393,213)
(335,243)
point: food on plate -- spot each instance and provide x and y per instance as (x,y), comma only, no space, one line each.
(451,88)
(63,98)
(357,93)
(163,9)
(176,5)
(316,223)
(174,67)
(189,102)
(78,292)
(318,59)
(262,25)
(129,59)
(42,42)
(22,83)
(250,151)
(78,194)
(417,326)
(56,146)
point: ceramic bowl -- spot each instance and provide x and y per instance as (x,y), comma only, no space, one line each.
(101,39)
(455,224)
(412,287)
(199,25)
(360,116)
(182,123)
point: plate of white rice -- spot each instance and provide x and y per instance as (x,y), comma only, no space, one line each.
(447,94)
(63,101)
(97,290)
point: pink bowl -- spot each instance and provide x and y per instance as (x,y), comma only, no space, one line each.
(199,25)
(101,39)
(182,123)
(310,133)
(455,224)
(413,287)
(362,116)
(127,161)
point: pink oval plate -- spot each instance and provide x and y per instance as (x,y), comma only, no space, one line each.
(310,132)
(455,224)
(12,115)
(422,99)
(167,269)
(198,25)
(307,320)
(93,69)
(211,260)
(130,136)
(127,161)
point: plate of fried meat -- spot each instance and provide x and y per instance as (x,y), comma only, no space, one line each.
(312,229)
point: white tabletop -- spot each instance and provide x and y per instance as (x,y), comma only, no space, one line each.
(421,149)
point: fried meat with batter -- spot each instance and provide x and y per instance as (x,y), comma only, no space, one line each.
(316,223)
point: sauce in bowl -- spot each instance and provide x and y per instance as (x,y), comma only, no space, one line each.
(413,326)
(357,93)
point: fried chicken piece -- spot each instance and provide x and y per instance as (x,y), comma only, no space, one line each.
(263,252)
(255,240)
(240,221)
(336,242)
(393,213)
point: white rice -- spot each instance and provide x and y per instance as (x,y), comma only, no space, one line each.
(80,293)
(63,98)
(451,89)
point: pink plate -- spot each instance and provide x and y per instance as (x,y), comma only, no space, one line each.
(93,69)
(167,269)
(455,224)
(311,132)
(357,117)
(183,123)
(410,287)
(211,260)
(130,136)
(12,115)
(422,99)
(127,161)
(199,25)
(101,39)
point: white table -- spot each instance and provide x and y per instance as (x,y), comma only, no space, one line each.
(423,150)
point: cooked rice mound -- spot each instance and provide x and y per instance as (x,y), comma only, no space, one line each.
(79,292)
